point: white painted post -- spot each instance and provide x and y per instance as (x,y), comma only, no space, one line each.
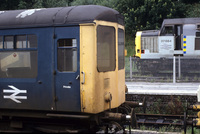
(174,69)
(179,67)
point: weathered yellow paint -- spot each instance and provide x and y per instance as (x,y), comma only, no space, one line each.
(125,52)
(196,107)
(138,44)
(87,63)
(196,122)
(198,114)
(97,84)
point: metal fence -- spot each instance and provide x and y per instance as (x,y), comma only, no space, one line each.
(171,69)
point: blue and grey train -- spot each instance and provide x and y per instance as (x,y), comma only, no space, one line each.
(62,70)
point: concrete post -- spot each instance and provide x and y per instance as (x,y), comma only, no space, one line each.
(179,67)
(174,69)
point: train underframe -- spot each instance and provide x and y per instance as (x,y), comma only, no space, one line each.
(110,121)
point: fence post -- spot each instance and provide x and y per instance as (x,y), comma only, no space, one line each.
(174,69)
(179,67)
(130,59)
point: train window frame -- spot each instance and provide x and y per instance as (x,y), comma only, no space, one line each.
(163,31)
(62,64)
(121,46)
(106,53)
(1,42)
(23,61)
(8,42)
(198,26)
(197,41)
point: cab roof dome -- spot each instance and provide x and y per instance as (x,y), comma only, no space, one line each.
(58,16)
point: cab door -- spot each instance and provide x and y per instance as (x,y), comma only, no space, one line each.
(67,69)
(178,37)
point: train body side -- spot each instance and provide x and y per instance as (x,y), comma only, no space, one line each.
(66,73)
(49,87)
(23,91)
(63,67)
(176,37)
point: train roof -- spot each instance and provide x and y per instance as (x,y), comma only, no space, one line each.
(58,16)
(150,33)
(181,21)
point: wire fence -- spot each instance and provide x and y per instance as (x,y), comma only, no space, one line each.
(171,69)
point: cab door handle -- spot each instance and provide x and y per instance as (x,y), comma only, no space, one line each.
(83,78)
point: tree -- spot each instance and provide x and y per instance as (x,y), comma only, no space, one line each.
(9,4)
(108,3)
(148,14)
(193,10)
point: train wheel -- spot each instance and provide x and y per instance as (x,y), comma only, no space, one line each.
(114,127)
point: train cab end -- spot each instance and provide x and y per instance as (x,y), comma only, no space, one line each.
(138,44)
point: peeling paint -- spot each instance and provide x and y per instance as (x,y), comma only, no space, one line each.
(27,13)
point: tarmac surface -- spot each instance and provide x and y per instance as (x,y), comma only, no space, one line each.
(157,88)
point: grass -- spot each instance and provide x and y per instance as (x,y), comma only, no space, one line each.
(170,128)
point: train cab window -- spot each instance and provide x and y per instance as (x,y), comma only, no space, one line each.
(120,49)
(16,59)
(67,55)
(197,41)
(198,27)
(167,31)
(106,49)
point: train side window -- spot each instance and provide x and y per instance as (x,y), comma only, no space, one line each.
(120,49)
(26,41)
(106,48)
(1,42)
(21,41)
(31,41)
(20,61)
(9,42)
(197,41)
(167,31)
(67,55)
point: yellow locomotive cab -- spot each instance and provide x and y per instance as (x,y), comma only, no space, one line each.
(101,88)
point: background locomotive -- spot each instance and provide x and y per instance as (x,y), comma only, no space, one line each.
(62,69)
(177,37)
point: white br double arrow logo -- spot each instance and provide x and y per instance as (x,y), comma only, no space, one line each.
(15,92)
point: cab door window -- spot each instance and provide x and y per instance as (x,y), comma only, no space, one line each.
(167,31)
(106,49)
(67,55)
(121,61)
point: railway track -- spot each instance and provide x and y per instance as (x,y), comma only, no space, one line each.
(163,119)
(158,120)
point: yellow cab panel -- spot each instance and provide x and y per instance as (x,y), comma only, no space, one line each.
(102,66)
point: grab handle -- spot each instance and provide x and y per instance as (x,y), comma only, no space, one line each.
(83,78)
